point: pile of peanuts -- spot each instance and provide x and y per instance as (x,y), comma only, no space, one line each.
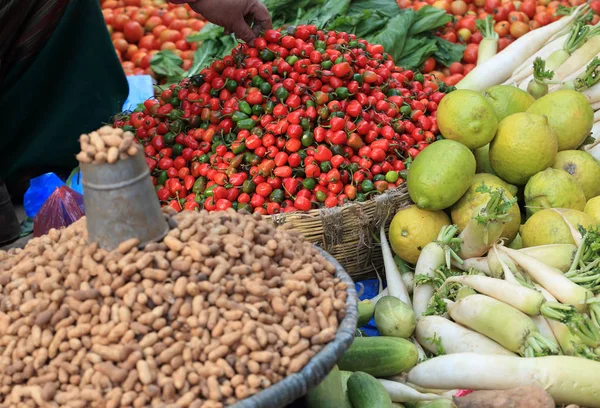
(107,145)
(225,306)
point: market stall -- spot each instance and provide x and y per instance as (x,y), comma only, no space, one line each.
(359,210)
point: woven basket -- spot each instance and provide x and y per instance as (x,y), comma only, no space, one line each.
(296,385)
(346,232)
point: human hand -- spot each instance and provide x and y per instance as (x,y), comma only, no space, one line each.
(235,16)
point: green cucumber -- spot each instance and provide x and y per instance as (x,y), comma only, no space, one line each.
(328,393)
(345,375)
(366,392)
(365,312)
(380,356)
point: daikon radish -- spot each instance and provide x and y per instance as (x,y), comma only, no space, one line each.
(593,95)
(544,327)
(486,224)
(400,392)
(537,84)
(559,256)
(596,116)
(442,336)
(526,300)
(585,78)
(552,279)
(504,324)
(569,380)
(526,69)
(577,237)
(575,39)
(434,255)
(488,47)
(501,264)
(566,339)
(394,280)
(479,264)
(580,57)
(500,68)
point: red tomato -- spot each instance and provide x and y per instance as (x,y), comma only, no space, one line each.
(470,53)
(133,31)
(518,29)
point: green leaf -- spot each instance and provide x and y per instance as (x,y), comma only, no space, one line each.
(416,51)
(447,52)
(167,63)
(385,7)
(321,16)
(429,18)
(209,32)
(393,36)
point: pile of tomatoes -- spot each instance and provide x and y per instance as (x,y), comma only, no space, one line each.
(513,19)
(304,119)
(140,28)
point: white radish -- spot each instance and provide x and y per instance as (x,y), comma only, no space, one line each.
(560,256)
(420,351)
(488,47)
(479,264)
(433,256)
(394,280)
(454,338)
(486,224)
(578,59)
(544,327)
(500,264)
(595,105)
(526,68)
(400,392)
(596,116)
(504,324)
(593,95)
(551,279)
(577,237)
(526,300)
(569,380)
(499,68)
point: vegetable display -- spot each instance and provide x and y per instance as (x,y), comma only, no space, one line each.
(304,119)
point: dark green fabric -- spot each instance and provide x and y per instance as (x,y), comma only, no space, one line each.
(73,86)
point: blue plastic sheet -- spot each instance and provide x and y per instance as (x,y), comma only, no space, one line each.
(370,289)
(140,89)
(74,181)
(40,188)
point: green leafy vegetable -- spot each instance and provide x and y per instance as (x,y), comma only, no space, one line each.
(429,18)
(416,51)
(447,52)
(393,36)
(437,342)
(168,64)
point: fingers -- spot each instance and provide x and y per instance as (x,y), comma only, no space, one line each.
(261,15)
(242,30)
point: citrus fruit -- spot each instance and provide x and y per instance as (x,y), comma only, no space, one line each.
(467,117)
(412,228)
(508,99)
(482,158)
(583,167)
(462,211)
(548,227)
(440,175)
(592,208)
(569,114)
(553,188)
(523,146)
(493,181)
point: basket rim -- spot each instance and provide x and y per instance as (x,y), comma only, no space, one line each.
(297,385)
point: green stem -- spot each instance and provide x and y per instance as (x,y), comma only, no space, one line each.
(578,254)
(538,346)
(557,311)
(590,77)
(577,37)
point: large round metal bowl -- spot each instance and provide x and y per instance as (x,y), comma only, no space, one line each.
(298,384)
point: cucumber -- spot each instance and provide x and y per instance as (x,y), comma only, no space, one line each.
(365,312)
(380,356)
(366,392)
(345,375)
(328,393)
